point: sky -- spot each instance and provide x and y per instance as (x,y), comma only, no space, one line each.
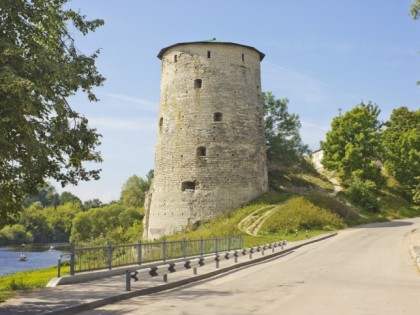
(322,55)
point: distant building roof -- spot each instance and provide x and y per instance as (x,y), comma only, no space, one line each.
(211,41)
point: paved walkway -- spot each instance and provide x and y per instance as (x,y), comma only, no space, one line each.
(74,298)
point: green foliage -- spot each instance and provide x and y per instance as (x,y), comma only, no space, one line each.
(109,223)
(394,206)
(334,205)
(134,190)
(28,280)
(415,9)
(282,131)
(60,219)
(297,180)
(92,203)
(15,234)
(41,136)
(401,139)
(416,192)
(50,224)
(363,193)
(35,220)
(298,213)
(354,144)
(46,195)
(67,197)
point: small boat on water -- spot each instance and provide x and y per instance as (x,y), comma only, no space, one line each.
(23,257)
(52,248)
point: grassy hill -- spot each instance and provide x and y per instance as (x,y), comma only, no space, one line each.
(300,201)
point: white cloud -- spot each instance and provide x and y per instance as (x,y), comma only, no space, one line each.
(130,100)
(297,86)
(342,47)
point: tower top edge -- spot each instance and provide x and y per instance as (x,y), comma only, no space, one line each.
(209,42)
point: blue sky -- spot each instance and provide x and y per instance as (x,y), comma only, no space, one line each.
(322,55)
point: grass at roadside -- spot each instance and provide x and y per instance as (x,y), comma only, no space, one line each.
(28,280)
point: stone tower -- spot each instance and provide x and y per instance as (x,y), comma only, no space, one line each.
(210,151)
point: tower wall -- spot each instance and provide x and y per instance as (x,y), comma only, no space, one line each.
(210,151)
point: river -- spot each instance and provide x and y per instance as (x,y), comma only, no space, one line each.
(38,256)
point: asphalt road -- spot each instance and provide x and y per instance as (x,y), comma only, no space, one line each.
(360,271)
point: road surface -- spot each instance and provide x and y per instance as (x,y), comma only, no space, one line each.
(365,270)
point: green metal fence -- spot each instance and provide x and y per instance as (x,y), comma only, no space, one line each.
(111,256)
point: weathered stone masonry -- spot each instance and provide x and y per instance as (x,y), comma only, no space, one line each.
(210,151)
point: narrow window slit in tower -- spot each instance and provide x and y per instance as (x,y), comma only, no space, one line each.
(201,151)
(160,122)
(175,58)
(217,117)
(187,186)
(208,54)
(243,57)
(197,83)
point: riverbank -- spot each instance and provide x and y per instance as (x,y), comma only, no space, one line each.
(28,280)
(38,256)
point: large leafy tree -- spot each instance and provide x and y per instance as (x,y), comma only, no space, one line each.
(41,136)
(46,195)
(111,222)
(60,219)
(353,145)
(401,139)
(134,190)
(67,196)
(281,131)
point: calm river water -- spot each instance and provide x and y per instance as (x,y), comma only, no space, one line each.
(38,256)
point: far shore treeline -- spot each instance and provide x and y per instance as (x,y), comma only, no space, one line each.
(52,217)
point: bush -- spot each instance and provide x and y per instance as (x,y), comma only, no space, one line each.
(363,194)
(335,205)
(299,213)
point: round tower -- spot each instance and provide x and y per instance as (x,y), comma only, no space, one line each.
(210,151)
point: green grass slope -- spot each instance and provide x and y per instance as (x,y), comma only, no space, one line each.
(300,201)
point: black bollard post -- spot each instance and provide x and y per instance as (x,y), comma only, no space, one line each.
(127,280)
(72,258)
(58,267)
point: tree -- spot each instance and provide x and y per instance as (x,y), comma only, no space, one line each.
(15,234)
(92,203)
(353,145)
(401,139)
(282,131)
(41,136)
(415,9)
(110,222)
(34,219)
(134,190)
(60,219)
(46,195)
(67,197)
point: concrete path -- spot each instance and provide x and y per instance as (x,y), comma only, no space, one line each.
(74,298)
(366,270)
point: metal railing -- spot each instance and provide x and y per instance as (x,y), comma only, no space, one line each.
(111,256)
